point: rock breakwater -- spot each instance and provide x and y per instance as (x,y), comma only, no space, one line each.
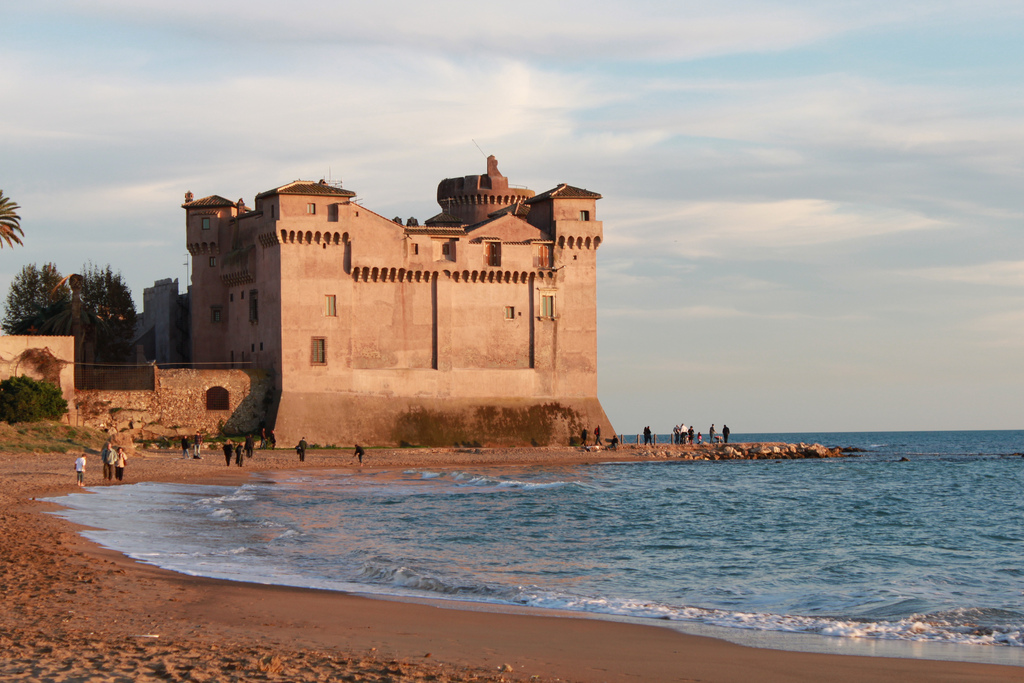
(736,451)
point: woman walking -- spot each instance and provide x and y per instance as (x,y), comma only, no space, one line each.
(119,464)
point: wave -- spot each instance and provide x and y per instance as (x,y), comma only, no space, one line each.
(960,626)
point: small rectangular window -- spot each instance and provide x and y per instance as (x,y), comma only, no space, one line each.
(318,351)
(584,215)
(331,306)
(311,208)
(415,249)
(510,312)
(494,253)
(547,306)
(213,261)
(272,211)
(544,256)
(254,306)
(215,314)
(206,224)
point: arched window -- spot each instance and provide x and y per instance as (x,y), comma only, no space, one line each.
(217,398)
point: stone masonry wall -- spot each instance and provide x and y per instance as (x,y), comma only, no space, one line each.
(50,359)
(178,404)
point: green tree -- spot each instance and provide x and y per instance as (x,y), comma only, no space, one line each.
(33,290)
(10,222)
(106,296)
(23,399)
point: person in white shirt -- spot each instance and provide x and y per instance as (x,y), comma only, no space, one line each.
(80,469)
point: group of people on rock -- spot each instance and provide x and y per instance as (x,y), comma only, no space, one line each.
(683,435)
(114,460)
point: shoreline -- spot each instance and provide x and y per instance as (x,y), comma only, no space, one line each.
(298,625)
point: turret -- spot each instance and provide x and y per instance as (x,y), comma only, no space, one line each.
(472,198)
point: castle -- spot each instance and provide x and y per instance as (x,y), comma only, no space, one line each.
(479,326)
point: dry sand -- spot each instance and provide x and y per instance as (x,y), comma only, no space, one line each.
(72,611)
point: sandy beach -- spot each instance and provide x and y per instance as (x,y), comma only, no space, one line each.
(75,612)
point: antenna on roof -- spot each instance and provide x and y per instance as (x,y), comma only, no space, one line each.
(478,147)
(331,181)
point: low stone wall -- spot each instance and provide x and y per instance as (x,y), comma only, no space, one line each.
(178,405)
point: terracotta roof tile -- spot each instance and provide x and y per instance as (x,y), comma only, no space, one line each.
(308,187)
(212,200)
(444,219)
(564,191)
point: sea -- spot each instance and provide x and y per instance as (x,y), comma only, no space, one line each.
(912,546)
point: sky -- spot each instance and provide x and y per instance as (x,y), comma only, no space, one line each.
(813,211)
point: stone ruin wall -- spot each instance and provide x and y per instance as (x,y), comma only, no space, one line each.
(50,359)
(178,404)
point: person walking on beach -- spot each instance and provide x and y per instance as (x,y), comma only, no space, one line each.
(238,454)
(597,435)
(119,461)
(647,435)
(301,449)
(249,445)
(185,445)
(359,454)
(272,439)
(711,433)
(228,449)
(80,469)
(700,438)
(689,435)
(197,445)
(583,437)
(108,455)
(263,437)
(725,433)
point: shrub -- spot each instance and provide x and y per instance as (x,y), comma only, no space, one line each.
(23,399)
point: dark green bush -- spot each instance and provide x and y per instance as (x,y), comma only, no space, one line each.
(23,399)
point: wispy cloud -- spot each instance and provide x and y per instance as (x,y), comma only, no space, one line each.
(992,274)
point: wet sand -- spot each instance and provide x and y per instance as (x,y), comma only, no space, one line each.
(75,612)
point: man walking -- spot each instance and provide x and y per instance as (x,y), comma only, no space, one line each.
(108,456)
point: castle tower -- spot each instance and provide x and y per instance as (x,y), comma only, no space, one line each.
(474,197)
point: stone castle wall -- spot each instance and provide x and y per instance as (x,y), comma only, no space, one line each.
(178,405)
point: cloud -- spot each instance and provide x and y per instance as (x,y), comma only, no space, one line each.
(752,229)
(992,274)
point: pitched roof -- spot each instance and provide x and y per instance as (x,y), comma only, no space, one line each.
(518,209)
(212,200)
(564,191)
(308,187)
(443,219)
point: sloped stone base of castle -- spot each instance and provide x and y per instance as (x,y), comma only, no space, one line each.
(346,419)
